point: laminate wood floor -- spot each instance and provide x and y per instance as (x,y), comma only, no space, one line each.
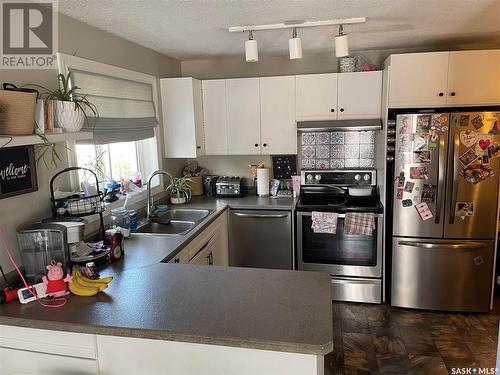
(378,339)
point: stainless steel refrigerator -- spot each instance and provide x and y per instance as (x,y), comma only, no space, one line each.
(445,210)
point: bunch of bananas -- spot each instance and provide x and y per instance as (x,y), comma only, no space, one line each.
(83,286)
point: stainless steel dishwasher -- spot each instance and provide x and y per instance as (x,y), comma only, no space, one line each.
(260,239)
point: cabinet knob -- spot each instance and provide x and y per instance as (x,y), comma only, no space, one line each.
(176,260)
(210,259)
(256,145)
(198,147)
(452,93)
(341,109)
(332,110)
(264,144)
(441,94)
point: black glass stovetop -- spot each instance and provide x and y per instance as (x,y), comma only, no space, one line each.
(340,203)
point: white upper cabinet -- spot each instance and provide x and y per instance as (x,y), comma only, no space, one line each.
(474,77)
(359,95)
(418,79)
(316,97)
(182,117)
(214,113)
(444,79)
(243,116)
(277,115)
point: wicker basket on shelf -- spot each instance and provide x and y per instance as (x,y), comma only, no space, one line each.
(17,110)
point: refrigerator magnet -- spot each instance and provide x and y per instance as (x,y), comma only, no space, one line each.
(477,121)
(422,157)
(463,120)
(405,143)
(424,211)
(494,150)
(420,142)
(401,180)
(407,202)
(399,194)
(419,173)
(433,141)
(406,158)
(423,123)
(483,144)
(406,125)
(464,209)
(409,186)
(468,138)
(428,193)
(416,199)
(468,157)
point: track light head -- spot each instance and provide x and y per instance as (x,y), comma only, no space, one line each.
(295,46)
(341,43)
(251,49)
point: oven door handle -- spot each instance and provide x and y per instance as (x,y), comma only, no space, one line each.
(340,216)
(261,216)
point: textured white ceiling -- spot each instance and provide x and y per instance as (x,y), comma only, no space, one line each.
(197,29)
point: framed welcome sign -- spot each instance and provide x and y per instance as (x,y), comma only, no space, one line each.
(17,171)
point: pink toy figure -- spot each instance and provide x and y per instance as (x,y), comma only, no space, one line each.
(56,284)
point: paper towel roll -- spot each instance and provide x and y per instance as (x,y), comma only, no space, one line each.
(263,182)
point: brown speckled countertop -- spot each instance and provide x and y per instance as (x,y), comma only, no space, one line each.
(265,309)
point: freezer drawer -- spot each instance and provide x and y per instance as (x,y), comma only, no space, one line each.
(446,275)
(260,239)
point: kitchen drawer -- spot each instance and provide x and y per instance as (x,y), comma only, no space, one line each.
(357,290)
(79,345)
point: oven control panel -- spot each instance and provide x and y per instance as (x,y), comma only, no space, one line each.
(339,177)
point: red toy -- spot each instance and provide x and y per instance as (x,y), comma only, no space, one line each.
(56,284)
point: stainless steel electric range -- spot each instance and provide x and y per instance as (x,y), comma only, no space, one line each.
(353,261)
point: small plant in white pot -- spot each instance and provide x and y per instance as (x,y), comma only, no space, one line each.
(180,190)
(70,106)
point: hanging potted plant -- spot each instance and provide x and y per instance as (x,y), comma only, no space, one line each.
(70,106)
(180,190)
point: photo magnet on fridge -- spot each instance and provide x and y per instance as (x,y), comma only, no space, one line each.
(428,193)
(407,203)
(399,194)
(423,123)
(464,209)
(477,121)
(405,143)
(420,142)
(468,157)
(409,186)
(406,125)
(422,157)
(468,138)
(433,141)
(424,211)
(464,120)
(419,173)
(401,180)
(494,150)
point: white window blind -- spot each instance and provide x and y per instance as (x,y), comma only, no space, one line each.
(126,107)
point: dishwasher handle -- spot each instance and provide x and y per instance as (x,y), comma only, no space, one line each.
(261,216)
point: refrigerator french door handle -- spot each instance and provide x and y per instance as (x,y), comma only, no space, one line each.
(454,177)
(440,182)
(444,245)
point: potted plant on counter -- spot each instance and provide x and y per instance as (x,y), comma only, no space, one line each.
(70,106)
(180,190)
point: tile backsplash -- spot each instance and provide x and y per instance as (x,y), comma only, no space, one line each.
(332,150)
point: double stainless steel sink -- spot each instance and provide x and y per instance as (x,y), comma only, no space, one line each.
(175,222)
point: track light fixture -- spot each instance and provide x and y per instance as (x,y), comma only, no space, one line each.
(295,45)
(341,43)
(251,50)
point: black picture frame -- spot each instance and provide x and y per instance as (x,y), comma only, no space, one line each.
(17,171)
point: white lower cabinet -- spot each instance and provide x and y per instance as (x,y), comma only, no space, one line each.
(210,247)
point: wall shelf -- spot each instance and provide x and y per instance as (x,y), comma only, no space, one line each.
(22,140)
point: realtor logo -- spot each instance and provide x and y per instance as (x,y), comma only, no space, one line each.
(29,34)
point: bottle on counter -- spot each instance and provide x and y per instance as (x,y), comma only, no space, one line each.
(120,218)
(132,214)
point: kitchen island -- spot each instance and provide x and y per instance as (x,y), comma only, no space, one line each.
(174,318)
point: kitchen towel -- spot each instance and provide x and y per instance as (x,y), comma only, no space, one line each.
(359,223)
(324,222)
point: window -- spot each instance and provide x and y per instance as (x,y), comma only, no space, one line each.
(119,161)
(125,133)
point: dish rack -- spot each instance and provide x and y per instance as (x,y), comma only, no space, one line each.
(78,204)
